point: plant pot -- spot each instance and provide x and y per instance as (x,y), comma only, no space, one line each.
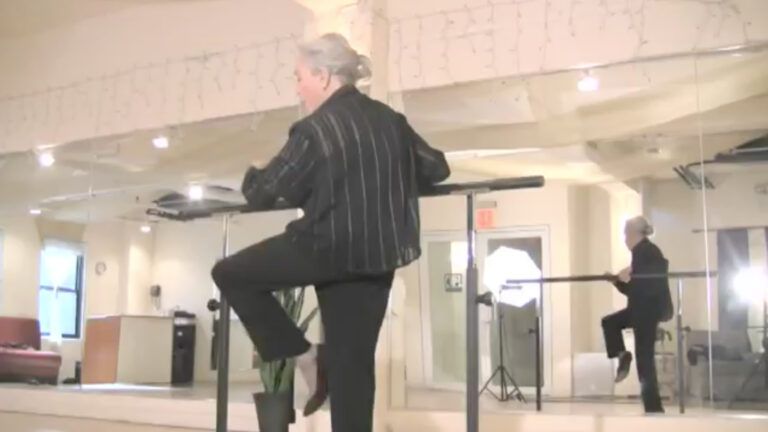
(275,411)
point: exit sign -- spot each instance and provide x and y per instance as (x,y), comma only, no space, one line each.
(485,218)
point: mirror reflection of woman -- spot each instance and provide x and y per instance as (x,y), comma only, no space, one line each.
(648,303)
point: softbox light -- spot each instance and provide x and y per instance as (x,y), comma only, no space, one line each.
(507,264)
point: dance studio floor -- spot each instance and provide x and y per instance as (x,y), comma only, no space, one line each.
(163,409)
(37,423)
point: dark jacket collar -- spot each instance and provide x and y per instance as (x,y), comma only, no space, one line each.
(342,93)
(641,244)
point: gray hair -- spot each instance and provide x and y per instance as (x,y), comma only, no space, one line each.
(333,53)
(640,225)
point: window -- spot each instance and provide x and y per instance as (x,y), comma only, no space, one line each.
(61,290)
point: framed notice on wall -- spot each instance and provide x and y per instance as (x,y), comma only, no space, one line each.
(453,282)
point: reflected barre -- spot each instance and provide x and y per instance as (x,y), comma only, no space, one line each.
(467,190)
(192,213)
(610,278)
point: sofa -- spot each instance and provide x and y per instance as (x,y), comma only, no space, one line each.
(733,358)
(21,359)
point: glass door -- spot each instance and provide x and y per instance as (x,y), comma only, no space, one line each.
(443,316)
(443,275)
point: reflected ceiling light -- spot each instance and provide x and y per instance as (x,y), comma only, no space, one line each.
(146,229)
(46,159)
(588,83)
(161,142)
(35,211)
(195,192)
(751,284)
(481,153)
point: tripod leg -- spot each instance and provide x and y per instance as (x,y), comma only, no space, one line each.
(504,387)
(487,385)
(516,389)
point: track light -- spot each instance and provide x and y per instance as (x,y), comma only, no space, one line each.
(195,192)
(161,142)
(588,83)
(46,159)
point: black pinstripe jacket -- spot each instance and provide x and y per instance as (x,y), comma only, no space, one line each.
(355,167)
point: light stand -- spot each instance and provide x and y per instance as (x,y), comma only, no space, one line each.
(509,387)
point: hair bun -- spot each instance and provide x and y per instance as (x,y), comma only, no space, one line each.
(363,67)
(648,230)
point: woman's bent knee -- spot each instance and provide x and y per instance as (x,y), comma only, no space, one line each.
(219,273)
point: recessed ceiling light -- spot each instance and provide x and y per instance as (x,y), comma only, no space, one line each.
(588,83)
(35,211)
(46,159)
(146,229)
(160,142)
(195,192)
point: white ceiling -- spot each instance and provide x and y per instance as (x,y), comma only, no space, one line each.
(20,18)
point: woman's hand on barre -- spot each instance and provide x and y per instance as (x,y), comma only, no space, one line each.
(625,275)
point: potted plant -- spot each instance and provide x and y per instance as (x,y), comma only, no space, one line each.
(274,406)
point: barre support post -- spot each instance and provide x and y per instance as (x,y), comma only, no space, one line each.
(680,347)
(222,363)
(473,346)
(537,335)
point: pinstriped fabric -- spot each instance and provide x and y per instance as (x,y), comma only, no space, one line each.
(355,167)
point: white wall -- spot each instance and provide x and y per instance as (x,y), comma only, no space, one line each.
(102,292)
(21,259)
(140,256)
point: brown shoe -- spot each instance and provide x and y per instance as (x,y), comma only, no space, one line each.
(320,395)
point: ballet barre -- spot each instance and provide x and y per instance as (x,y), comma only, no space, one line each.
(468,190)
(679,276)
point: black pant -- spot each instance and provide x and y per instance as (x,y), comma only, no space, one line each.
(645,345)
(352,309)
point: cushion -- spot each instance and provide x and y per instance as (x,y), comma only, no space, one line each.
(18,365)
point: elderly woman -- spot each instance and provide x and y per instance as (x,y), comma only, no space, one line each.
(355,167)
(648,303)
